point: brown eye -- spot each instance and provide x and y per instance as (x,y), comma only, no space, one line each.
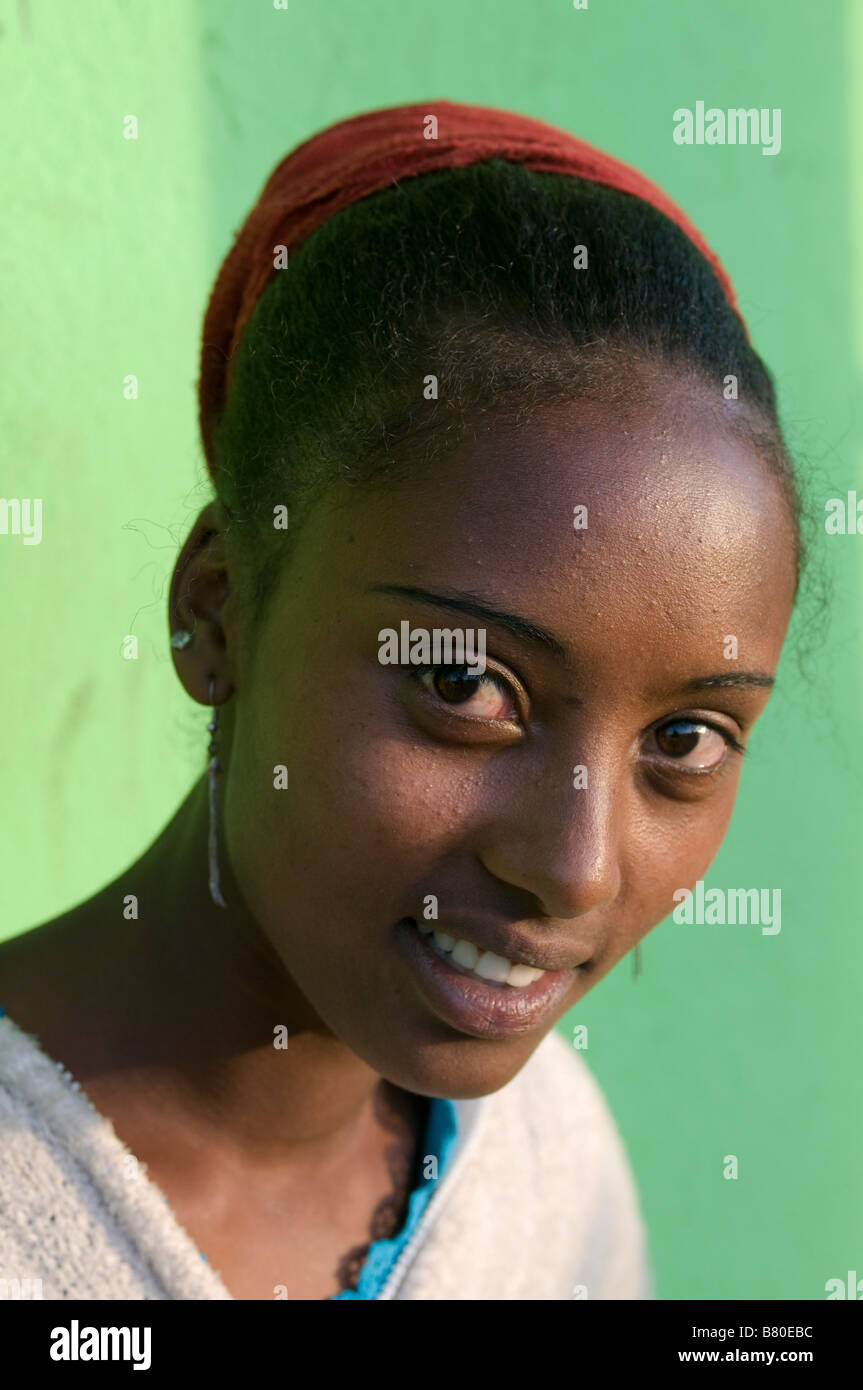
(455,684)
(692,744)
(480,696)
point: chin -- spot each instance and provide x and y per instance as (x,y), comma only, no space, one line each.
(451,1067)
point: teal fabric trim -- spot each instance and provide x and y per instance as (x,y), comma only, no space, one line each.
(440,1137)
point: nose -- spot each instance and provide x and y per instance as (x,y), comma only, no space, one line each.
(560,844)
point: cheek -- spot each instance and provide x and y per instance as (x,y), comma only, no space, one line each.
(367,811)
(670,847)
(373,810)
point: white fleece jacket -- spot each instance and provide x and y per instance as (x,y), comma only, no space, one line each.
(537,1202)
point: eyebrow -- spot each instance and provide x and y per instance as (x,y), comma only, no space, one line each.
(731,680)
(540,636)
(474,608)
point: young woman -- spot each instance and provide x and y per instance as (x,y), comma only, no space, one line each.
(501,557)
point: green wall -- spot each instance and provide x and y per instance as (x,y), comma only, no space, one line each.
(729,1042)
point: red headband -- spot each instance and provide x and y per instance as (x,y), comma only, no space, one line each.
(356,157)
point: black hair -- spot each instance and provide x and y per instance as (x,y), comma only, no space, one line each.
(467,276)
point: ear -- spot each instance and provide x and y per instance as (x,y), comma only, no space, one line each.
(200,588)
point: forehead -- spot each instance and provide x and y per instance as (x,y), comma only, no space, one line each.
(687,533)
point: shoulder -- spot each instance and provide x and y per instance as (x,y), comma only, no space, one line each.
(548,1140)
(42,1114)
(557,1099)
(40,1214)
(78,1217)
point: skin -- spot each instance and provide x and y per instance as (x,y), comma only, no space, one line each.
(168,1021)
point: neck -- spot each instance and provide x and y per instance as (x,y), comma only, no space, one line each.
(194,998)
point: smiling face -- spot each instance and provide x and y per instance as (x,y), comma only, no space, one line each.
(407,785)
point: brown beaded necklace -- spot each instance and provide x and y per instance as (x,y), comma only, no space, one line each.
(407,1123)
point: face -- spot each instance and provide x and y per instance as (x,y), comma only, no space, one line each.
(543,810)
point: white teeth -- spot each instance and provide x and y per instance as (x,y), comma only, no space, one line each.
(522,975)
(466,954)
(492,967)
(485,964)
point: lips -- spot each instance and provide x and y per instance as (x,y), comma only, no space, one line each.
(480,1007)
(501,939)
(483,965)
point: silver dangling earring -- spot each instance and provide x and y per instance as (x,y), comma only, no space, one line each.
(180,639)
(636,961)
(213,770)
